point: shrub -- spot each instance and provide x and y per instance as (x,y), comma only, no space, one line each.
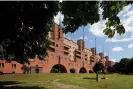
(90,71)
(82,70)
(1,72)
(13,72)
(25,69)
(54,70)
(72,70)
(98,67)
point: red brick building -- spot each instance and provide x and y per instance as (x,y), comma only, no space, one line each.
(63,53)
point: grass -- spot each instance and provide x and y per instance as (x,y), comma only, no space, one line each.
(66,81)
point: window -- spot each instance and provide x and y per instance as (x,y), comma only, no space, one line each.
(14,66)
(56,45)
(1,64)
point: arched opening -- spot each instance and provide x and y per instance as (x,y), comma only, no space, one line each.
(82,70)
(58,68)
(72,70)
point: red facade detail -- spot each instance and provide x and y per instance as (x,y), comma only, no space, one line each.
(58,52)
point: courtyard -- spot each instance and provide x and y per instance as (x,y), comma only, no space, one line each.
(65,81)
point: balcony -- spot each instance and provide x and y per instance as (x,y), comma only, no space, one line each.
(92,60)
(76,54)
(51,49)
(78,51)
(67,46)
(77,57)
(51,40)
(66,53)
(86,59)
(52,45)
(85,56)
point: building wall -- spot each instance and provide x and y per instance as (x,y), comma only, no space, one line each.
(62,51)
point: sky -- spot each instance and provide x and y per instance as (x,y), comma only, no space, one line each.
(120,46)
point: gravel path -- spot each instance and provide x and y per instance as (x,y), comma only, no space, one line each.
(66,86)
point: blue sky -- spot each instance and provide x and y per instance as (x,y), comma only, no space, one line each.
(118,47)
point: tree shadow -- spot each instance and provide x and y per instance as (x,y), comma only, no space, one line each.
(89,78)
(16,85)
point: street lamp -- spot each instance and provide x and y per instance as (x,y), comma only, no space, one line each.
(59,63)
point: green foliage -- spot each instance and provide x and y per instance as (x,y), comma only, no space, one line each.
(82,70)
(90,71)
(111,69)
(72,70)
(13,72)
(25,69)
(24,28)
(25,25)
(98,67)
(124,66)
(79,13)
(84,13)
(1,72)
(54,70)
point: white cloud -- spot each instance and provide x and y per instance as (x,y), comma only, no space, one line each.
(120,40)
(97,28)
(130,46)
(126,18)
(68,37)
(60,0)
(85,38)
(117,49)
(59,18)
(114,60)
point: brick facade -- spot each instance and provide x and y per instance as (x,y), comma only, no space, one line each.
(61,51)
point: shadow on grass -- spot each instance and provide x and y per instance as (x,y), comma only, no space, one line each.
(89,78)
(16,85)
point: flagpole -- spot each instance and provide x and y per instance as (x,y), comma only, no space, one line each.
(83,38)
(95,47)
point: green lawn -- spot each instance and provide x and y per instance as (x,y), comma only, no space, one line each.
(66,81)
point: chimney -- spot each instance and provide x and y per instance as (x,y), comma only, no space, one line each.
(80,44)
(101,55)
(93,50)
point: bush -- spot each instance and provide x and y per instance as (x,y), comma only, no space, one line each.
(98,67)
(72,70)
(90,71)
(82,71)
(1,72)
(25,69)
(54,70)
(13,72)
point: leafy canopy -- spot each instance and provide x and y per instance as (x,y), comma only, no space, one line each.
(25,25)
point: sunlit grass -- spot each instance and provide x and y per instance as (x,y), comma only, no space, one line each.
(114,81)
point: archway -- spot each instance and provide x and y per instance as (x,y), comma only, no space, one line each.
(72,70)
(82,70)
(58,68)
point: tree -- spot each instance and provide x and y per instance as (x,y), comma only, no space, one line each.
(110,69)
(130,65)
(117,67)
(124,65)
(88,12)
(24,29)
(98,67)
(25,69)
(25,25)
